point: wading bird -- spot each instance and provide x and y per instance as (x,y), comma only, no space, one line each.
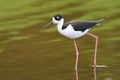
(75,29)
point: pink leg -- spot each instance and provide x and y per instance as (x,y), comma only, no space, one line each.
(96,44)
(77,54)
(95,54)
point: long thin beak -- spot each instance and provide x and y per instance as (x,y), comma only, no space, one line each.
(47,25)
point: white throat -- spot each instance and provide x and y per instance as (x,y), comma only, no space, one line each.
(59,26)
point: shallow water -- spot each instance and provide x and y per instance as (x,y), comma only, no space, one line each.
(27,53)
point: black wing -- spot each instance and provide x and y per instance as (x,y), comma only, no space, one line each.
(81,25)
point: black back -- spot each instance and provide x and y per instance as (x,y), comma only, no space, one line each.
(80,25)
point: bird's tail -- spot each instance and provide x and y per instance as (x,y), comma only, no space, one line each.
(99,21)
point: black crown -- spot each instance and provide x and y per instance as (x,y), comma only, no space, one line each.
(58,17)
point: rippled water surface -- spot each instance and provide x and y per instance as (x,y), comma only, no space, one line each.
(28,53)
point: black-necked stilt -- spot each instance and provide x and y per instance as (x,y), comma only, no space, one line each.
(75,29)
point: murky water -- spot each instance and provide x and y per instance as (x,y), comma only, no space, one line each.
(27,53)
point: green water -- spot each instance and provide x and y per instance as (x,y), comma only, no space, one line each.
(27,53)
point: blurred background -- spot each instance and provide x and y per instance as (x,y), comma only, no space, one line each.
(28,53)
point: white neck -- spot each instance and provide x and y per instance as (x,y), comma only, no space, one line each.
(59,25)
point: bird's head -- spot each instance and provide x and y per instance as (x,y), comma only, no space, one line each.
(56,19)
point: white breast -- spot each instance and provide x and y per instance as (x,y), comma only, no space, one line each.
(71,33)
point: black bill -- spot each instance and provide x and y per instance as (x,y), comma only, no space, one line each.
(47,25)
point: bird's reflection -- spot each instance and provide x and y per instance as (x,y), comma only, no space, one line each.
(76,71)
(94,70)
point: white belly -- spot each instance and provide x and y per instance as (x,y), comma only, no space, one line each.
(70,33)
